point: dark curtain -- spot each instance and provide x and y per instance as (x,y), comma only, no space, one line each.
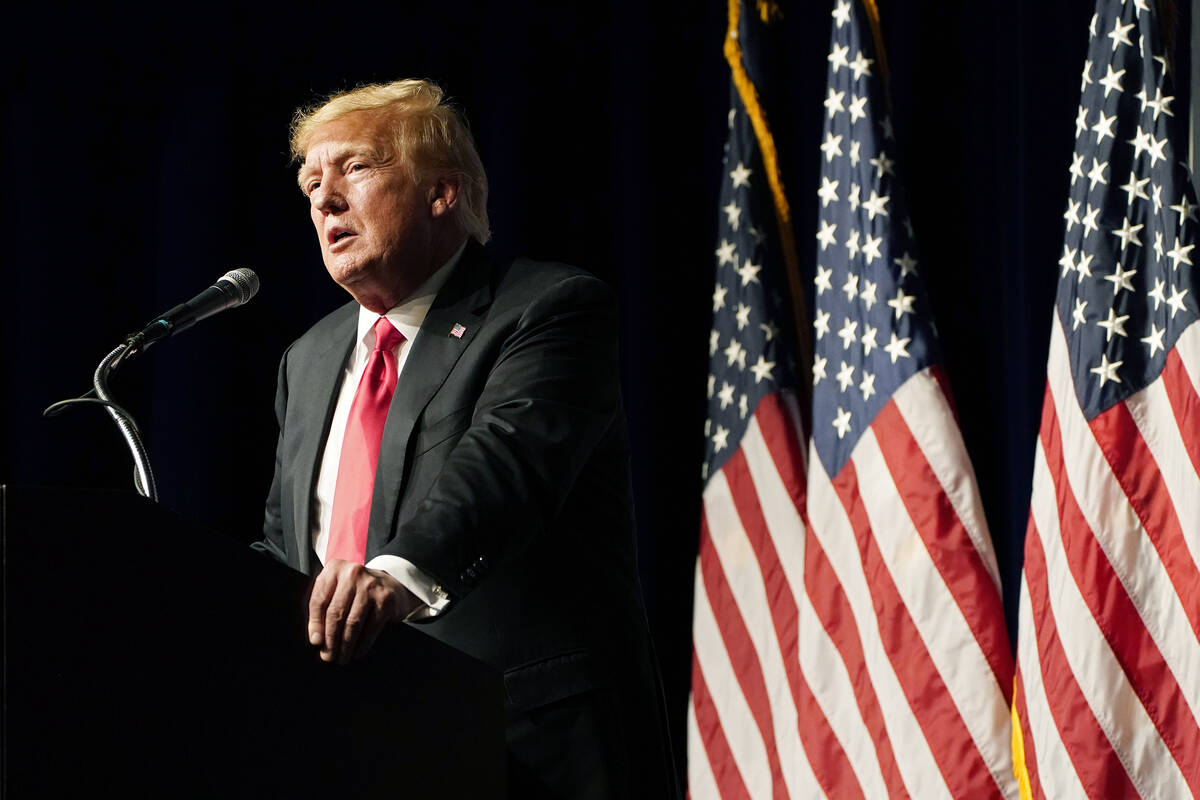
(145,153)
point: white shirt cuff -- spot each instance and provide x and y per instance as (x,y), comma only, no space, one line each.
(416,580)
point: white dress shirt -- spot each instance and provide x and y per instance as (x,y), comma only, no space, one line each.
(407,318)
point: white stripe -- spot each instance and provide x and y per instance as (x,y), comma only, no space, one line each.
(920,772)
(742,572)
(1188,346)
(820,662)
(701,783)
(929,417)
(1055,772)
(741,731)
(944,631)
(1116,707)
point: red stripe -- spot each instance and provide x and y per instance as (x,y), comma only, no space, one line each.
(833,609)
(947,542)
(742,655)
(1098,767)
(725,770)
(825,754)
(1030,753)
(961,764)
(1184,403)
(1118,618)
(774,422)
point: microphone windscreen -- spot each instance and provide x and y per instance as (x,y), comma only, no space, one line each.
(245,283)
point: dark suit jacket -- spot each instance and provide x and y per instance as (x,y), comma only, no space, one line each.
(503,473)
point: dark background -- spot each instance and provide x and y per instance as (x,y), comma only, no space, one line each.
(145,153)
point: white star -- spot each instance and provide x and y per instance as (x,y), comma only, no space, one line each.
(1157,293)
(712,380)
(854,156)
(907,263)
(1155,339)
(1127,233)
(1155,148)
(825,235)
(861,66)
(1067,262)
(734,212)
(848,334)
(741,175)
(742,315)
(768,330)
(1084,265)
(867,386)
(897,348)
(1096,173)
(1112,81)
(758,236)
(882,163)
(842,423)
(1158,246)
(743,406)
(762,369)
(1089,220)
(714,341)
(871,248)
(736,354)
(827,192)
(885,125)
(1141,96)
(1160,104)
(819,369)
(1135,188)
(1162,62)
(851,286)
(832,146)
(719,297)
(821,324)
(1077,315)
(1086,78)
(1180,253)
(725,253)
(853,197)
(1121,280)
(845,376)
(732,115)
(725,395)
(1141,6)
(1107,371)
(857,108)
(841,13)
(1140,142)
(749,272)
(1081,124)
(1156,192)
(822,281)
(902,303)
(834,102)
(868,339)
(1175,301)
(867,295)
(1185,209)
(1072,214)
(1120,34)
(852,244)
(837,56)
(1076,168)
(719,439)
(1113,324)
(876,205)
(1092,25)
(1103,127)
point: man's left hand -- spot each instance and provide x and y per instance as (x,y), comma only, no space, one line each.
(349,606)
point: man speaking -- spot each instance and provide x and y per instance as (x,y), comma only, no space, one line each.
(452,449)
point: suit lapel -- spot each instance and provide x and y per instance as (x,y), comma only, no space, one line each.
(436,349)
(318,384)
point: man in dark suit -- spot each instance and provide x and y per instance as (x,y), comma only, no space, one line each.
(453,451)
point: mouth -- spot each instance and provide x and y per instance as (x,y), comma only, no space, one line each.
(336,235)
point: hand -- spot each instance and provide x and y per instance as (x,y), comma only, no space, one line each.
(349,606)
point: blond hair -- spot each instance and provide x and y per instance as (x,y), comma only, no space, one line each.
(427,134)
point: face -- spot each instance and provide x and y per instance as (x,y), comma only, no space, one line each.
(376,227)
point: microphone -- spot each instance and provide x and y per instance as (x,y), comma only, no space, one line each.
(231,290)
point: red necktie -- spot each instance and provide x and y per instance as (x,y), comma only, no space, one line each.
(360,448)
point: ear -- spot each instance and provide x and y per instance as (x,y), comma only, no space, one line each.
(443,195)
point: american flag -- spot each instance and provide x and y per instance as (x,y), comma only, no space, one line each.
(1108,657)
(862,654)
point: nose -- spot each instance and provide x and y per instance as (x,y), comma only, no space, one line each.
(327,198)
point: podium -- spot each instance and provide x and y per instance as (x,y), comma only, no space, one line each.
(149,657)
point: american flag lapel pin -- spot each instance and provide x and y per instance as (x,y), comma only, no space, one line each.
(458,330)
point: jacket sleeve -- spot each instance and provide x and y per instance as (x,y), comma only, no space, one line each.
(272,541)
(550,396)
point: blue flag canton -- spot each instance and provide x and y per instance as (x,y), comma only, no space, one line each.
(748,352)
(1126,284)
(871,324)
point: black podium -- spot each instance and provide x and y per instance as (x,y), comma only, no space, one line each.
(147,657)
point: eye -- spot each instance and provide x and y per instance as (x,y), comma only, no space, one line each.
(311,187)
(358,166)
